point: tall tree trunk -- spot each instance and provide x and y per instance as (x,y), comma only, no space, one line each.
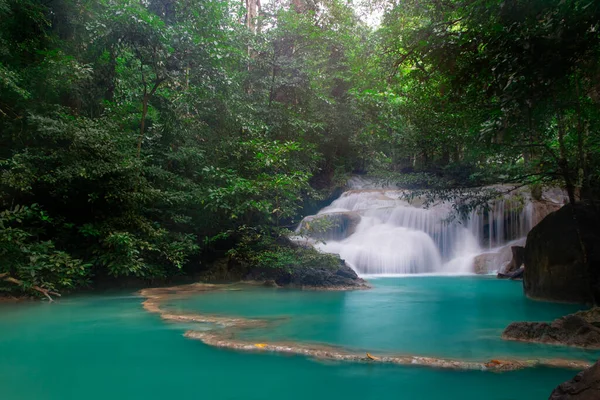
(252,9)
(145,100)
(299,6)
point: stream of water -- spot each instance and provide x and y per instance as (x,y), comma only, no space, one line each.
(380,231)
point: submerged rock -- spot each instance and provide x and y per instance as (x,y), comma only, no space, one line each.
(554,260)
(584,386)
(581,329)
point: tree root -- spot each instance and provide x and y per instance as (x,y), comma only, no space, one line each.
(7,278)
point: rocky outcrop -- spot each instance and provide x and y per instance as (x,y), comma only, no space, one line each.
(542,208)
(518,259)
(584,386)
(315,277)
(310,269)
(331,226)
(556,268)
(485,263)
(514,269)
(581,329)
(514,275)
(498,260)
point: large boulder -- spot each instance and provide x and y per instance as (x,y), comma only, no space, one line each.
(324,271)
(514,269)
(555,265)
(485,263)
(584,386)
(581,329)
(313,277)
(542,208)
(518,258)
(498,260)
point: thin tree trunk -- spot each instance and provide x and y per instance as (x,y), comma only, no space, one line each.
(252,8)
(145,100)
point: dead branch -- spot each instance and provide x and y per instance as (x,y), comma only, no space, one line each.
(7,278)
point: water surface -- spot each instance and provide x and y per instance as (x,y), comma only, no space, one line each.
(107,346)
(450,317)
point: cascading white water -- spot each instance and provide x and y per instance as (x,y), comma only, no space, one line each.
(397,237)
(506,220)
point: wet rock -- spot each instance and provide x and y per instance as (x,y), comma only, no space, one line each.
(584,386)
(581,329)
(346,272)
(518,259)
(332,226)
(485,263)
(542,208)
(515,275)
(498,260)
(315,277)
(554,260)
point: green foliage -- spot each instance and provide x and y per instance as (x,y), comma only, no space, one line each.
(263,251)
(318,226)
(507,89)
(140,138)
(31,260)
(152,133)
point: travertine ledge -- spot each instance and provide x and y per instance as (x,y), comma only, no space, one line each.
(223,336)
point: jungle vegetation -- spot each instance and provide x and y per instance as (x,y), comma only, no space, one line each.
(146,138)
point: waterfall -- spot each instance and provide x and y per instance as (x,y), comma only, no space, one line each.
(394,236)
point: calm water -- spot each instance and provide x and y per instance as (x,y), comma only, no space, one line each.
(102,347)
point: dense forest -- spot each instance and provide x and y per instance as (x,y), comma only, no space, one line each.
(147,138)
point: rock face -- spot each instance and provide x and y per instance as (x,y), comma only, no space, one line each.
(499,260)
(546,201)
(514,275)
(316,277)
(514,269)
(581,329)
(554,261)
(518,258)
(584,386)
(485,263)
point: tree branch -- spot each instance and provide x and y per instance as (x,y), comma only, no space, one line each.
(7,278)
